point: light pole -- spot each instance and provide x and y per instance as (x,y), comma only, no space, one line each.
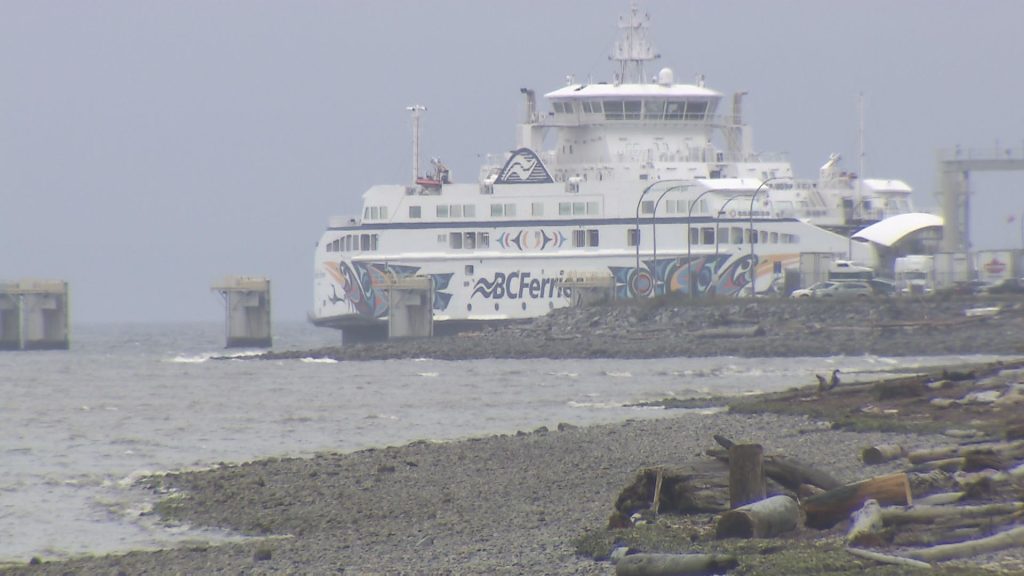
(654,228)
(750,213)
(718,216)
(636,230)
(849,238)
(689,243)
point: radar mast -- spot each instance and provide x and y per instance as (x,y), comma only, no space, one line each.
(632,49)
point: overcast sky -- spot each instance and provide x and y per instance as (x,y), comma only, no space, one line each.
(148,148)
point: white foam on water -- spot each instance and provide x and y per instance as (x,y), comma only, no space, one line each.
(318,360)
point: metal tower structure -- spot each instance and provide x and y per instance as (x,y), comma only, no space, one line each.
(954,192)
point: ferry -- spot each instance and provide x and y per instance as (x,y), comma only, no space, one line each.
(650,187)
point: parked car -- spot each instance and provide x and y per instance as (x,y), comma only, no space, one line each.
(828,289)
(882,287)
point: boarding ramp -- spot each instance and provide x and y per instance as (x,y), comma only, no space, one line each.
(955,167)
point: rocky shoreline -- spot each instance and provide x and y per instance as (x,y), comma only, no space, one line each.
(522,503)
(763,327)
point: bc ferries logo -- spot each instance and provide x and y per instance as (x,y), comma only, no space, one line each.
(518,285)
(524,167)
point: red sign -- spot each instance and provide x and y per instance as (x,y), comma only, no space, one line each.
(995,266)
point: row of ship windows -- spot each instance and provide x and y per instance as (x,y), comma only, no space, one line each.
(682,206)
(654,109)
(507,210)
(588,238)
(537,209)
(731,235)
(354,243)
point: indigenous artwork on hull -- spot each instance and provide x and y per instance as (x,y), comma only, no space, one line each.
(363,286)
(713,275)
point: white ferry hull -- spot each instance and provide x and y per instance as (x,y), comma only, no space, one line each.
(509,283)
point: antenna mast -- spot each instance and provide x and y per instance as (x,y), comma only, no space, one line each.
(632,49)
(416,109)
(860,168)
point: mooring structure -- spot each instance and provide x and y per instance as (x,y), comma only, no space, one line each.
(34,315)
(410,306)
(247,311)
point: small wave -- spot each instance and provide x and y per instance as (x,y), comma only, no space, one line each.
(564,374)
(182,359)
(618,374)
(318,360)
(600,405)
(427,374)
(380,417)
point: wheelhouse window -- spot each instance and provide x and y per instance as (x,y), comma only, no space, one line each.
(695,109)
(613,110)
(631,109)
(654,109)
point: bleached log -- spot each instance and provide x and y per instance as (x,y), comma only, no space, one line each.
(929,454)
(939,499)
(867,525)
(828,509)
(932,513)
(674,564)
(936,536)
(881,453)
(888,558)
(945,464)
(1014,449)
(765,519)
(732,332)
(1009,539)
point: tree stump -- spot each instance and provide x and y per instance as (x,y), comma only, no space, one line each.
(746,474)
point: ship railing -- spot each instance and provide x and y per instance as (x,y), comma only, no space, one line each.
(587,279)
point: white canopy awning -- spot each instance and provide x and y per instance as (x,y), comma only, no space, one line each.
(892,230)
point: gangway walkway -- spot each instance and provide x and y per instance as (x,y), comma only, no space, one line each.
(955,166)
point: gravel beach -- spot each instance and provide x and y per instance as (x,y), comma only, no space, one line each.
(516,504)
(496,505)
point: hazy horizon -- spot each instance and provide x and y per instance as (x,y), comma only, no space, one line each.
(148,149)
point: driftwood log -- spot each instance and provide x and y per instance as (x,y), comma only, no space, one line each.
(674,564)
(789,473)
(765,519)
(888,558)
(1009,539)
(696,489)
(866,528)
(829,508)
(882,453)
(927,514)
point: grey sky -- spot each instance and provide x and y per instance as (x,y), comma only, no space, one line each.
(149,148)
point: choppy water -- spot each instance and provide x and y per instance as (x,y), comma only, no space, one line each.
(77,427)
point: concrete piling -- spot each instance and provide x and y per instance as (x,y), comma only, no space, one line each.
(411,307)
(34,315)
(247,311)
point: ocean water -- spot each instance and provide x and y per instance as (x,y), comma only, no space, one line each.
(78,427)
